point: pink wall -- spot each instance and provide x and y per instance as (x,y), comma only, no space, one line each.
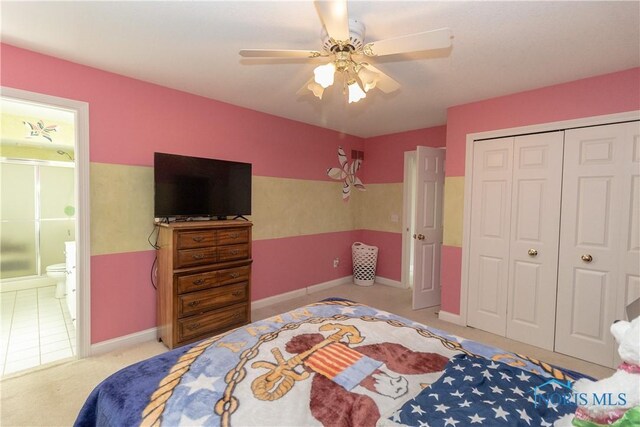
(122,297)
(130,119)
(384,155)
(389,252)
(605,94)
(284,265)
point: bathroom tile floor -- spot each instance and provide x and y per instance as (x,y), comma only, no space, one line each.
(36,329)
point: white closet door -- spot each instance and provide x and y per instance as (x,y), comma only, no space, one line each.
(629,255)
(490,227)
(593,222)
(535,231)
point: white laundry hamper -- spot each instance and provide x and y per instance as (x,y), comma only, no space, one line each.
(365,258)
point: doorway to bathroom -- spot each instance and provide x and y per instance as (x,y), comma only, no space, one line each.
(41,278)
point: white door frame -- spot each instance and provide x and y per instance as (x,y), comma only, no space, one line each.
(83,255)
(468,184)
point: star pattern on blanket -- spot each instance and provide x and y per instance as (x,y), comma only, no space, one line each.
(482,392)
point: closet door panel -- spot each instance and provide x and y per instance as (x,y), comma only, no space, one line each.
(629,259)
(490,228)
(535,223)
(595,215)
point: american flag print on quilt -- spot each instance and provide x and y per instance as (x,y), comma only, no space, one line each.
(477,391)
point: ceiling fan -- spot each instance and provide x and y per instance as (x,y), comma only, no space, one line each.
(343,44)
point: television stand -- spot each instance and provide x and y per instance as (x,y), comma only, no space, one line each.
(240,216)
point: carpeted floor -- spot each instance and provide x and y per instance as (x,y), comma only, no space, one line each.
(52,396)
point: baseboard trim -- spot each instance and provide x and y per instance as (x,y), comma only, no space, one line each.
(450,317)
(264,302)
(124,341)
(389,282)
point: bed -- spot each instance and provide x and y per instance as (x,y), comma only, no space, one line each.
(335,362)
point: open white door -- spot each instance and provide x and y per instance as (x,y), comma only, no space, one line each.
(427,239)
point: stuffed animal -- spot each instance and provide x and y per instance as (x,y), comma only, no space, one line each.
(615,400)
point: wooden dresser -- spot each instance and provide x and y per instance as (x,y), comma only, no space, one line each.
(204,279)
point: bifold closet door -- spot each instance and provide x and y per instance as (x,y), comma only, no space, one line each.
(535,231)
(490,228)
(599,242)
(514,236)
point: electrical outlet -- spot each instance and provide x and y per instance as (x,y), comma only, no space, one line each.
(336,262)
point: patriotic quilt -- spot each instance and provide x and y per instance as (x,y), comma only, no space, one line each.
(336,363)
(479,391)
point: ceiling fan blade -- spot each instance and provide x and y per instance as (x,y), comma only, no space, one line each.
(384,82)
(435,39)
(280,53)
(334,16)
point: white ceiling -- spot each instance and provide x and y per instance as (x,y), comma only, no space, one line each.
(498,48)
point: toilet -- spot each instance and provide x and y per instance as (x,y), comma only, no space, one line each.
(59,273)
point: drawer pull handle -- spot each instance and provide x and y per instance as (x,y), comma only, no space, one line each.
(237,315)
(236,293)
(197,256)
(198,239)
(234,252)
(198,282)
(235,235)
(234,275)
(193,326)
(194,303)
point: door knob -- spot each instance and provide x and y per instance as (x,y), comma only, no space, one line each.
(586,258)
(532,252)
(420,236)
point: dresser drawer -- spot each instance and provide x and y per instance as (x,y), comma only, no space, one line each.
(233,275)
(196,239)
(209,299)
(232,252)
(230,237)
(189,257)
(196,282)
(212,321)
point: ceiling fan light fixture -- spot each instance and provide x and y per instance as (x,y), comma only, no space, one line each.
(355,91)
(324,75)
(316,89)
(368,78)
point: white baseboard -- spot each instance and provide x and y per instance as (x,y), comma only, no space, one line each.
(330,284)
(300,292)
(278,298)
(124,341)
(389,282)
(450,317)
(9,285)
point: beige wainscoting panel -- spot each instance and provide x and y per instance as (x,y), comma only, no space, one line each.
(453,210)
(377,205)
(121,208)
(283,207)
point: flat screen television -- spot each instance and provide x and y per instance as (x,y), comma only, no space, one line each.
(195,187)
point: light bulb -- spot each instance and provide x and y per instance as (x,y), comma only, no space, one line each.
(316,89)
(368,78)
(324,74)
(355,91)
